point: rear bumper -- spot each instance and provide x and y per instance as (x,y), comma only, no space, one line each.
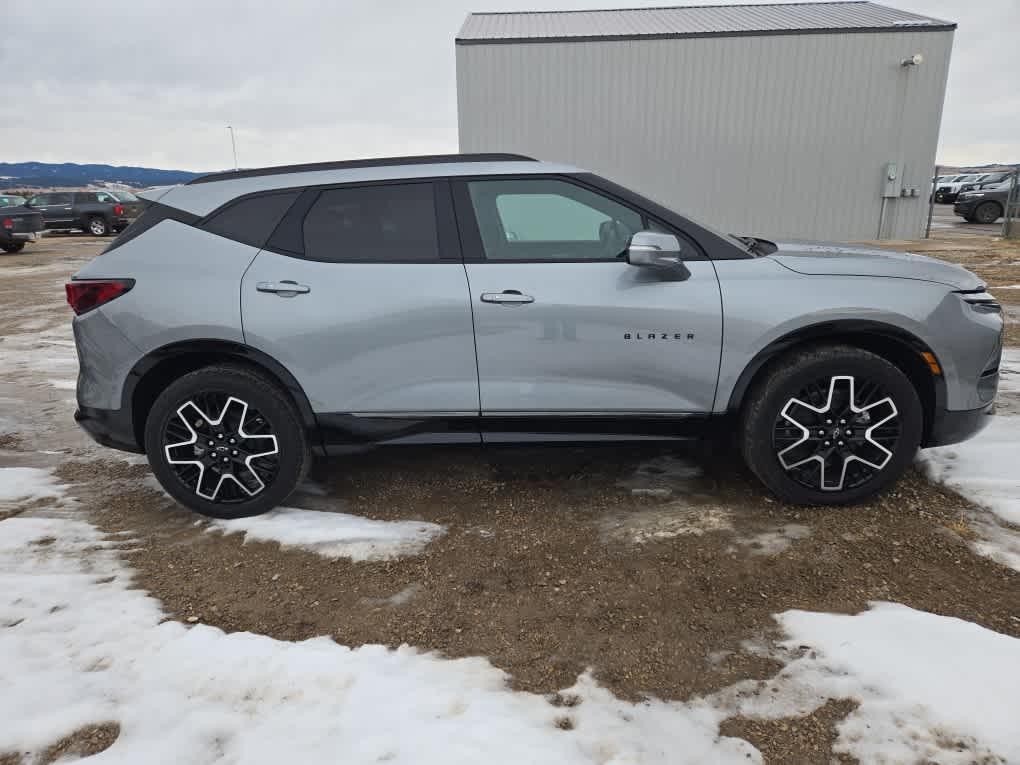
(26,236)
(108,427)
(953,427)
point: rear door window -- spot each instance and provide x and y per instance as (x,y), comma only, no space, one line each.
(391,223)
(251,220)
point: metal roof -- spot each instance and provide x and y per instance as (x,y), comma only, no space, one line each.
(691,21)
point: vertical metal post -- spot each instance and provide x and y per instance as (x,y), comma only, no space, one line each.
(233,144)
(1009,222)
(931,202)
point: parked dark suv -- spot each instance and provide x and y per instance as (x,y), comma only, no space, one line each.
(99,213)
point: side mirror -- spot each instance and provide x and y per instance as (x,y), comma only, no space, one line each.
(649,249)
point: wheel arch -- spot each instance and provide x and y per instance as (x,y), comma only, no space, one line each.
(895,344)
(160,367)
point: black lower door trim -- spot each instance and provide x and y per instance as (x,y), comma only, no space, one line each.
(346,432)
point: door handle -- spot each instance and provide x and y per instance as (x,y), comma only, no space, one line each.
(284,288)
(507,297)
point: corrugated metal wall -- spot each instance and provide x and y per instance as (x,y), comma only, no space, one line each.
(782,136)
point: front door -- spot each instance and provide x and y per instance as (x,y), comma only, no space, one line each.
(365,301)
(563,325)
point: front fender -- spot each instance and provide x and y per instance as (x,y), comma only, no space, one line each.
(768,309)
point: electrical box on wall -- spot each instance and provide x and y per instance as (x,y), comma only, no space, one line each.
(891,181)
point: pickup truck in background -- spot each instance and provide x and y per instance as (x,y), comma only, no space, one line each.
(99,213)
(18,226)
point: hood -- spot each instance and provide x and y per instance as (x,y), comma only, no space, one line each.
(823,259)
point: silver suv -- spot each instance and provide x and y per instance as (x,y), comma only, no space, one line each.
(251,319)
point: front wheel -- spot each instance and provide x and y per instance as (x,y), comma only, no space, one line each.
(12,247)
(226,442)
(832,425)
(987,212)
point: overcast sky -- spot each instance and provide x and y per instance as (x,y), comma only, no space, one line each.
(155,82)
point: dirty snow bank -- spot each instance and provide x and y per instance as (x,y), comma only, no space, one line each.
(335,535)
(926,684)
(77,646)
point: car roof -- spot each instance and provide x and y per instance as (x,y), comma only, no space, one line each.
(206,193)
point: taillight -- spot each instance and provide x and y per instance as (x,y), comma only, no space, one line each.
(118,209)
(85,294)
(8,223)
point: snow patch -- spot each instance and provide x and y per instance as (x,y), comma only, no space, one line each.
(78,646)
(984,468)
(1009,371)
(25,484)
(984,471)
(335,535)
(925,684)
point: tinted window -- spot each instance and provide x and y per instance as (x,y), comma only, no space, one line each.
(59,199)
(547,219)
(374,223)
(83,197)
(251,220)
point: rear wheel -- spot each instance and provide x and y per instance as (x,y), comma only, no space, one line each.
(226,442)
(832,425)
(97,226)
(987,212)
(12,247)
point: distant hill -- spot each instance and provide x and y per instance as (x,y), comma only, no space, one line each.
(45,174)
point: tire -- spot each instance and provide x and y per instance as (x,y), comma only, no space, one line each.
(12,247)
(222,403)
(97,226)
(987,212)
(790,441)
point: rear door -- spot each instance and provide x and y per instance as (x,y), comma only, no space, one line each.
(565,326)
(54,207)
(361,293)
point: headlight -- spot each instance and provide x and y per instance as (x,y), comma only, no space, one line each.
(981,301)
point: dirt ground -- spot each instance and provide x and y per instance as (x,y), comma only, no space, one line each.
(555,559)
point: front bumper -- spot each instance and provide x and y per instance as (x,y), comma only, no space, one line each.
(109,427)
(953,427)
(965,207)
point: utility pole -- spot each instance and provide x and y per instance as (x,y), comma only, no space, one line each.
(233,144)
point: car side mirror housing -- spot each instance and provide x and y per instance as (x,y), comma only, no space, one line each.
(661,252)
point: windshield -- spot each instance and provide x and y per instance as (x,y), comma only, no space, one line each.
(995,177)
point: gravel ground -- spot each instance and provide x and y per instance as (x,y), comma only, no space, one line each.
(554,560)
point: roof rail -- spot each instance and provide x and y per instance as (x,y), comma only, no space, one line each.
(430,159)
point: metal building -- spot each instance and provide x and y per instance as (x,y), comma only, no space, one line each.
(776,120)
